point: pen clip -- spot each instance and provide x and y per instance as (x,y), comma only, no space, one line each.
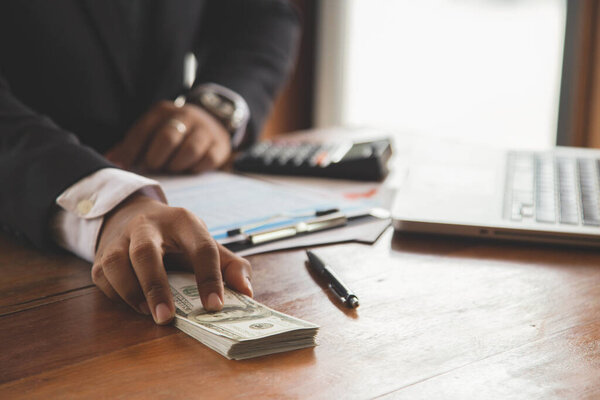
(333,288)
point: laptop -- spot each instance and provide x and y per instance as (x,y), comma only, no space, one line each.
(540,196)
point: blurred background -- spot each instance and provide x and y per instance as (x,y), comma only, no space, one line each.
(509,73)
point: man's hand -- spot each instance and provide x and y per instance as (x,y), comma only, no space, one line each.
(173,139)
(135,240)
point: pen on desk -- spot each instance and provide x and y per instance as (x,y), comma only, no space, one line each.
(335,283)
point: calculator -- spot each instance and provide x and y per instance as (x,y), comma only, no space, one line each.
(364,161)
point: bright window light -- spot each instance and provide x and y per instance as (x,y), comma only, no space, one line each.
(485,71)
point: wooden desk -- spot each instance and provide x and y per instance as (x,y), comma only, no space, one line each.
(440,318)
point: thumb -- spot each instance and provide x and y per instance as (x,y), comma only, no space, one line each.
(237,271)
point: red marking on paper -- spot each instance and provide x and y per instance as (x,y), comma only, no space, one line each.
(363,195)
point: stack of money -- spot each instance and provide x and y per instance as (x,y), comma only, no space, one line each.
(243,329)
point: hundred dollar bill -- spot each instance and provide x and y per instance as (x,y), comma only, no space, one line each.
(244,328)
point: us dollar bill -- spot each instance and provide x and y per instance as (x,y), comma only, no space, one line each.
(244,328)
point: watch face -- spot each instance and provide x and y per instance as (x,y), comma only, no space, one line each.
(218,105)
(231,112)
(210,100)
(225,110)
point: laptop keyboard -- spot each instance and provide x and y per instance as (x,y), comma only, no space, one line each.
(552,189)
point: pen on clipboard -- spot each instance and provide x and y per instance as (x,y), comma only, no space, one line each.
(244,228)
(320,223)
(335,283)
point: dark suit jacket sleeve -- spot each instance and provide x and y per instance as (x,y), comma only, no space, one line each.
(250,49)
(38,161)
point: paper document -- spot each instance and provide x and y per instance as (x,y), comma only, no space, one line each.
(227,201)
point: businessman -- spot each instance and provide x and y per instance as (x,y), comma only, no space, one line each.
(87,90)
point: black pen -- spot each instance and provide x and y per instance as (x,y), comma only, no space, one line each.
(335,283)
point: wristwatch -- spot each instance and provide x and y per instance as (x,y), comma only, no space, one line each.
(225,105)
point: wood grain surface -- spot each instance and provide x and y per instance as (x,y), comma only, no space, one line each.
(439,318)
(30,277)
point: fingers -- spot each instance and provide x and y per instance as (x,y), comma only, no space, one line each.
(216,156)
(191,151)
(172,134)
(205,262)
(146,255)
(127,152)
(203,255)
(207,146)
(100,280)
(119,273)
(175,139)
(134,241)
(237,271)
(114,276)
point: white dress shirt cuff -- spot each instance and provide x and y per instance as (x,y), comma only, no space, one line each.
(76,225)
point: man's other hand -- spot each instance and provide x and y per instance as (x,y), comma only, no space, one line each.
(173,139)
(135,240)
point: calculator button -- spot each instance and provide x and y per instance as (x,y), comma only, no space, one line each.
(286,155)
(272,153)
(305,153)
(258,149)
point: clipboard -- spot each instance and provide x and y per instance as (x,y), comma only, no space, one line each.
(226,202)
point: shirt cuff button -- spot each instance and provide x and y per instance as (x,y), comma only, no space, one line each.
(84,206)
